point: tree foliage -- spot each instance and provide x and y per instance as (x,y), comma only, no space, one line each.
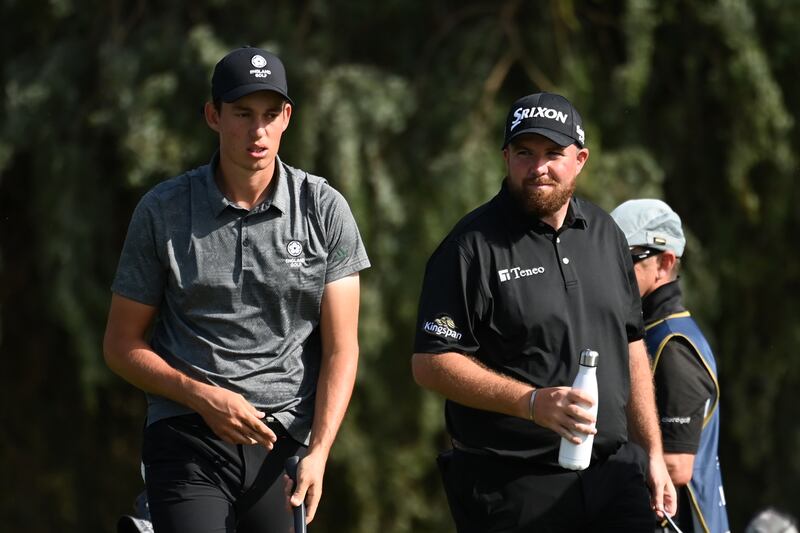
(401,106)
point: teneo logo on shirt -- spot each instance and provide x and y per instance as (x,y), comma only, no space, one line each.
(521,113)
(443,326)
(259,62)
(508,274)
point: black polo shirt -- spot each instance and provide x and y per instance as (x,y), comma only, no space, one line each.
(525,299)
(684,388)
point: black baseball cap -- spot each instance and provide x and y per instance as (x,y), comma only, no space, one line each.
(247,70)
(547,114)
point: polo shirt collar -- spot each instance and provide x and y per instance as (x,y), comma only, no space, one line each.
(518,218)
(216,199)
(279,196)
(662,302)
(575,216)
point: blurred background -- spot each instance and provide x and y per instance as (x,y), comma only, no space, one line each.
(400,104)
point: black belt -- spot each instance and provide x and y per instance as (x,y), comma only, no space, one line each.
(460,446)
(275,426)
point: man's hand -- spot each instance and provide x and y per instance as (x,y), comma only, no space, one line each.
(128,353)
(643,429)
(310,472)
(564,410)
(233,418)
(662,491)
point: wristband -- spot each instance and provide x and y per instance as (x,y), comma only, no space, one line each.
(531,405)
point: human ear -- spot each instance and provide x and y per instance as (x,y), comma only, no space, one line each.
(287,111)
(666,262)
(582,156)
(212,116)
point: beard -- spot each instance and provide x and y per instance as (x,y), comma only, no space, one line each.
(541,203)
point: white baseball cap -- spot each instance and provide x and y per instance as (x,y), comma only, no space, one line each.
(650,223)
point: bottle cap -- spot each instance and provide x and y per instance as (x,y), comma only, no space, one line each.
(589,357)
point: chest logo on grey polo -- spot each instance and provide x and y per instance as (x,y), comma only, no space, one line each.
(510,274)
(295,249)
(442,326)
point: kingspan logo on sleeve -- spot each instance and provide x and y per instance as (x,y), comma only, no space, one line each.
(442,326)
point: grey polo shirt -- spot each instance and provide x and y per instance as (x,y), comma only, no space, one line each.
(238,292)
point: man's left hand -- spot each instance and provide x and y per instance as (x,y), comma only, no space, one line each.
(662,492)
(310,472)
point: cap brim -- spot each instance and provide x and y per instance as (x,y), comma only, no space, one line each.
(644,243)
(244,90)
(558,138)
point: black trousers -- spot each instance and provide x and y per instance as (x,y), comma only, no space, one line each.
(197,482)
(494,494)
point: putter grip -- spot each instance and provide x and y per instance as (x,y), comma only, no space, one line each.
(299,511)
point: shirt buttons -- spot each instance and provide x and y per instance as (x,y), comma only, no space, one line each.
(565,260)
(246,242)
(558,240)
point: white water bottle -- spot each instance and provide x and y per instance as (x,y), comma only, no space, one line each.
(577,456)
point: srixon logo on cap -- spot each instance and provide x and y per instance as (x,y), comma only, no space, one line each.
(522,113)
(259,62)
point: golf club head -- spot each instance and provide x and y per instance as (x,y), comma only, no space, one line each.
(131,524)
(672,525)
(140,522)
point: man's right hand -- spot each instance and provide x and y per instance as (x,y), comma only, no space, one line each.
(233,418)
(564,410)
(128,353)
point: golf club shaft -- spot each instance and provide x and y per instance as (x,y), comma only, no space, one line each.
(672,523)
(299,511)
